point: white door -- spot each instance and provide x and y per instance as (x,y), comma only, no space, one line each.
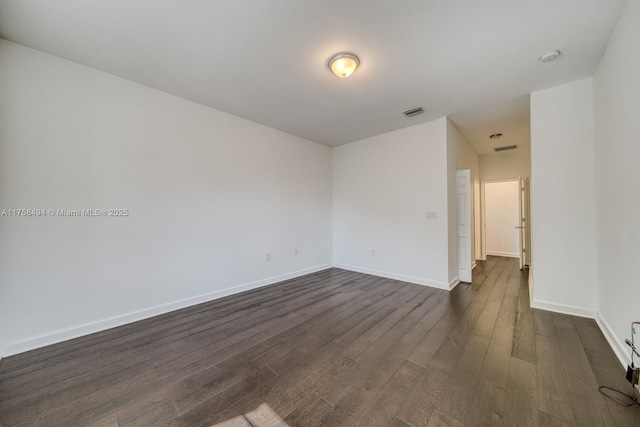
(526,224)
(477,224)
(521,223)
(463,179)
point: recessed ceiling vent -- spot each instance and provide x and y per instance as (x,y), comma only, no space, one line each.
(414,112)
(506,147)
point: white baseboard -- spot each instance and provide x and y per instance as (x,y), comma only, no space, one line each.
(504,254)
(396,276)
(43,340)
(474,265)
(617,345)
(564,308)
(530,285)
(453,283)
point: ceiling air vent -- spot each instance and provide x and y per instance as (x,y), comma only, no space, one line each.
(414,112)
(506,147)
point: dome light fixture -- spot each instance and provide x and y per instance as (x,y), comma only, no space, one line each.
(551,56)
(343,64)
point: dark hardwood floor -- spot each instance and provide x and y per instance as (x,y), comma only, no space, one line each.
(333,348)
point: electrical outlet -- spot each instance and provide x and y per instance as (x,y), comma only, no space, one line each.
(295,251)
(432,215)
(373,252)
(268,256)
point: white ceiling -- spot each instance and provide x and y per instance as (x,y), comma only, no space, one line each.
(511,118)
(266,60)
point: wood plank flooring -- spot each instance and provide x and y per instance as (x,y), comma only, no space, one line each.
(334,348)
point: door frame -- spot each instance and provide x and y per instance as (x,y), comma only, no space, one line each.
(526,221)
(477,222)
(519,182)
(464,234)
(521,224)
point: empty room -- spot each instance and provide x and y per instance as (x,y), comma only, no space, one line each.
(319,213)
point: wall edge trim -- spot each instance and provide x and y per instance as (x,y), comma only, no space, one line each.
(572,310)
(503,254)
(60,335)
(395,276)
(616,344)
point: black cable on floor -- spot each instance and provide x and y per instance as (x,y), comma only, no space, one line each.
(630,399)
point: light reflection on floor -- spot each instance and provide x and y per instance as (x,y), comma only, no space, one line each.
(262,416)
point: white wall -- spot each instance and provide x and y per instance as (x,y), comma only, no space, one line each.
(617,141)
(465,156)
(506,164)
(382,189)
(563,198)
(209,194)
(502,213)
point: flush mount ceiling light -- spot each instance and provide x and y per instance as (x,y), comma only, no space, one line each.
(343,64)
(551,56)
(495,136)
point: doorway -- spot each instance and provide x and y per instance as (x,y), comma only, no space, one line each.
(477,225)
(503,218)
(525,187)
(465,225)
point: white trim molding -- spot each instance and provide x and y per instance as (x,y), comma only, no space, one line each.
(503,254)
(54,337)
(454,283)
(530,285)
(396,276)
(617,345)
(564,308)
